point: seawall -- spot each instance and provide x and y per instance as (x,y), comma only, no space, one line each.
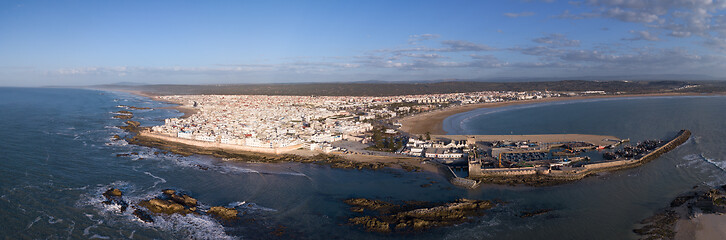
(557,176)
(219,145)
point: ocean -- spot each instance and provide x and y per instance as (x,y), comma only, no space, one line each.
(57,156)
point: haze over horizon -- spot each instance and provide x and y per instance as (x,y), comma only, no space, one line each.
(168,42)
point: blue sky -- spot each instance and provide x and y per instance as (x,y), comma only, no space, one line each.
(208,42)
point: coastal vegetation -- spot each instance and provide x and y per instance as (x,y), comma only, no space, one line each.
(385,142)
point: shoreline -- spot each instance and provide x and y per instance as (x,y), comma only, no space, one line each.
(350,161)
(696,214)
(433,122)
(334,160)
(187,111)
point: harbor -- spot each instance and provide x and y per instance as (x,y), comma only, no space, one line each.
(535,160)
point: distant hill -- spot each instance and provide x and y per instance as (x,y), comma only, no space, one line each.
(392,89)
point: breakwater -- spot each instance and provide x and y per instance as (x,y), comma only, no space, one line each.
(543,176)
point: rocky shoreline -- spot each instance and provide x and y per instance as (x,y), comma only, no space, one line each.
(334,161)
(170,202)
(685,207)
(413,216)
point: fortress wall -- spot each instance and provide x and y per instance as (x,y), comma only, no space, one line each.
(220,145)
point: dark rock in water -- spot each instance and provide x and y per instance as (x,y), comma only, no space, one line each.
(171,203)
(133,107)
(131,126)
(534,213)
(202,167)
(168,191)
(375,205)
(372,224)
(116,137)
(113,192)
(124,116)
(223,212)
(414,216)
(123,155)
(702,200)
(156,205)
(114,196)
(680,200)
(185,200)
(143,215)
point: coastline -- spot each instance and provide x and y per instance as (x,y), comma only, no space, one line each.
(334,160)
(421,122)
(697,214)
(187,111)
(433,122)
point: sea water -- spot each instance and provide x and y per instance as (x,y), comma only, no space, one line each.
(57,155)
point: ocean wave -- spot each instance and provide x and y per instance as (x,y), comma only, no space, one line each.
(719,164)
(243,205)
(190,226)
(161,180)
(53,220)
(33,222)
(711,169)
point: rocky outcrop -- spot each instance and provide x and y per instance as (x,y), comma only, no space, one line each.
(124,115)
(702,200)
(133,107)
(223,212)
(131,126)
(143,216)
(171,203)
(414,216)
(184,199)
(360,204)
(156,205)
(534,213)
(114,196)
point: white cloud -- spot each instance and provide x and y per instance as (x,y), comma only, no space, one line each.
(519,14)
(557,39)
(642,35)
(413,39)
(679,18)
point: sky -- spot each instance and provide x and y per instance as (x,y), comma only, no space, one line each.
(219,42)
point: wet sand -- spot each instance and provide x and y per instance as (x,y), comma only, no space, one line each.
(433,122)
(705,226)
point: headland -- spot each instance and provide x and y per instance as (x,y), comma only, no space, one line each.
(374,132)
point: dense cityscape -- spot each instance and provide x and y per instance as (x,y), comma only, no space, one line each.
(313,122)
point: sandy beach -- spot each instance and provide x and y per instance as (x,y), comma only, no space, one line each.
(433,122)
(702,227)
